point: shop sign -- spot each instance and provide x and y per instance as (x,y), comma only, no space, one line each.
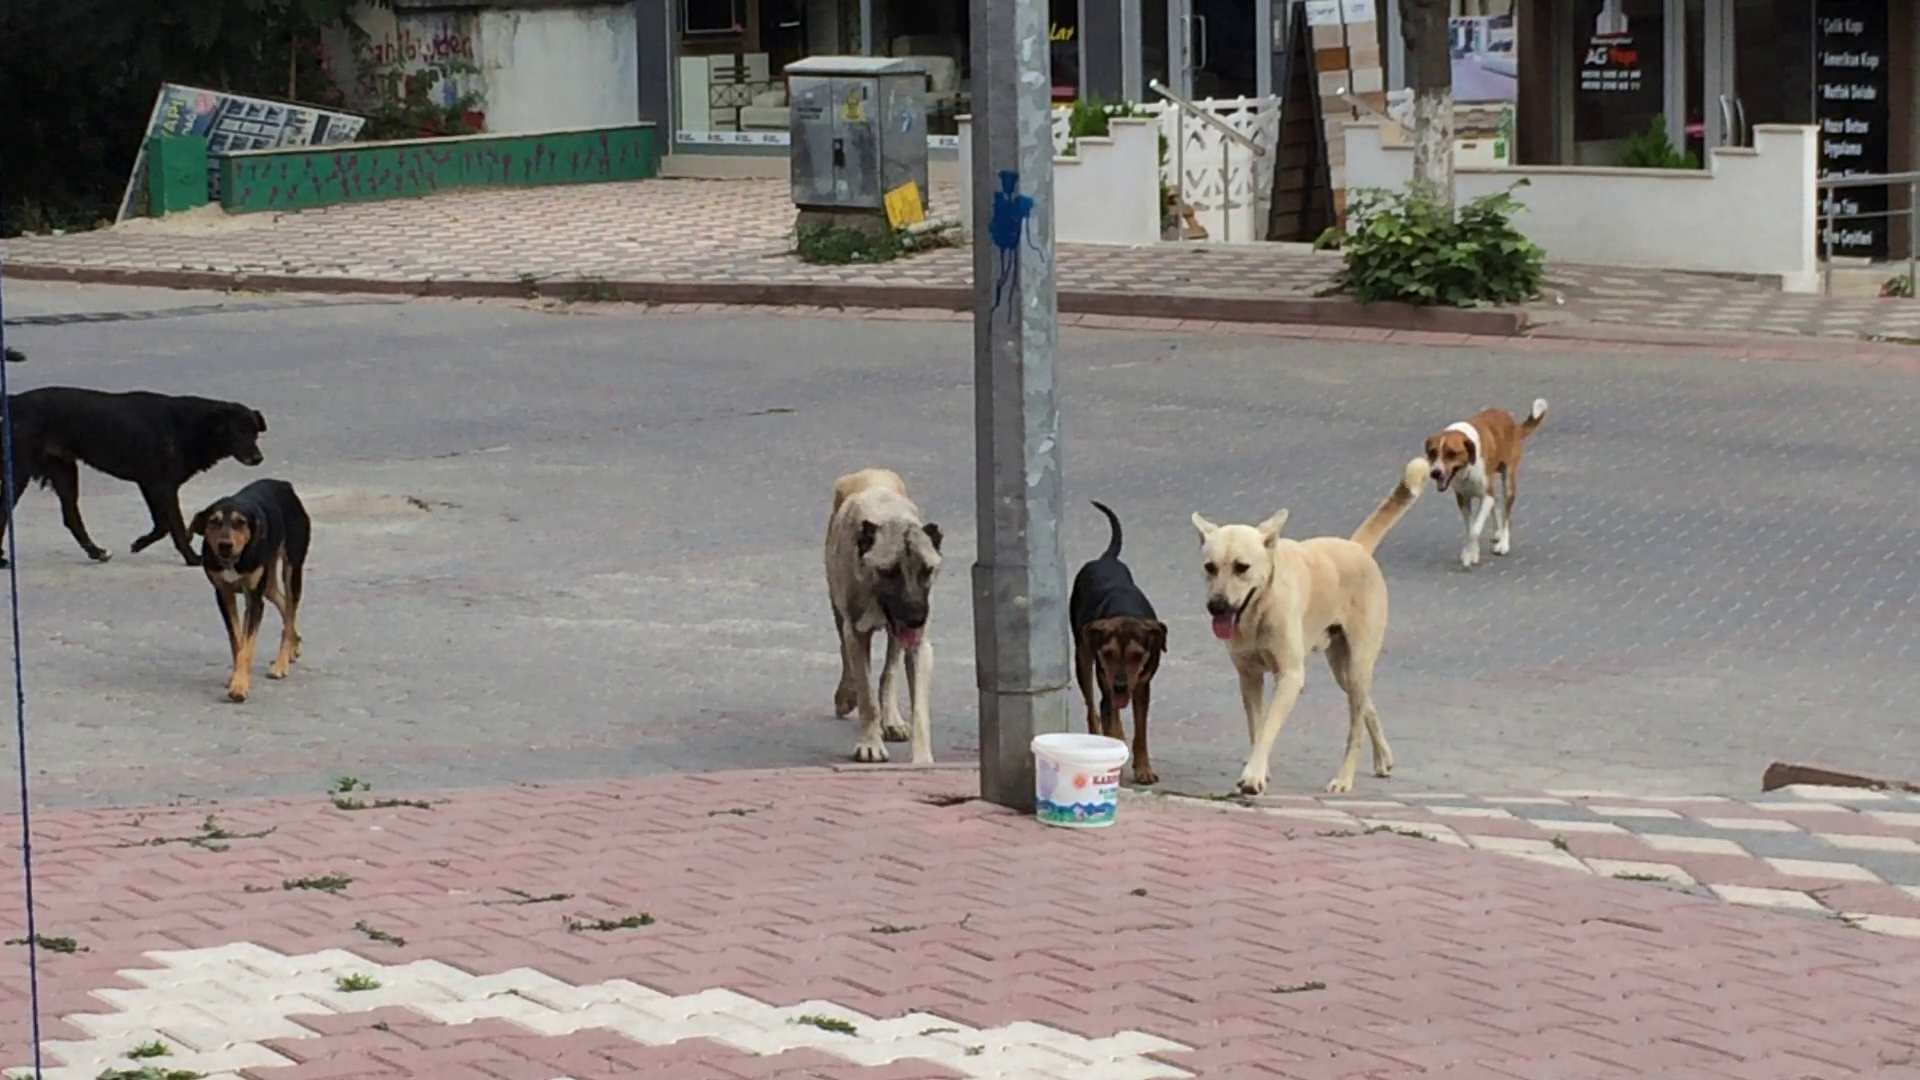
(1611,65)
(1850,88)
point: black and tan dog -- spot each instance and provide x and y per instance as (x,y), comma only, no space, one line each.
(1117,641)
(256,549)
(158,441)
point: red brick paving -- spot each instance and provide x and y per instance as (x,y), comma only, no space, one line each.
(1437,961)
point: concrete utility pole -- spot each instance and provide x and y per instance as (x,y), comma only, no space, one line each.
(1019,583)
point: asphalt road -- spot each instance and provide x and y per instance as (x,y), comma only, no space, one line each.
(555,545)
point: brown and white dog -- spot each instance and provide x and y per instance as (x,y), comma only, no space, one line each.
(1465,458)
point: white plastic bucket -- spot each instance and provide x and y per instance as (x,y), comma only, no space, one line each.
(1076,779)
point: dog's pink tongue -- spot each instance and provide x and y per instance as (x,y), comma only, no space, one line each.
(1223,626)
(1121,701)
(908,637)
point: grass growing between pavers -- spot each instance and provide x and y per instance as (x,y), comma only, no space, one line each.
(630,922)
(343,797)
(212,836)
(152,1049)
(355,983)
(374,933)
(64,945)
(143,1072)
(327,883)
(825,1023)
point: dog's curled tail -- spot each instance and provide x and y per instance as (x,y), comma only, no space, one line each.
(1113,530)
(1394,506)
(1534,418)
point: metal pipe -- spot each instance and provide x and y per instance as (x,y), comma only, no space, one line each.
(1019,577)
(1913,233)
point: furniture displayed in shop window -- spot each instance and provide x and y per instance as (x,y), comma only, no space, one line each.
(738,92)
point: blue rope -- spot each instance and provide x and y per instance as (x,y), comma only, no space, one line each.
(19,695)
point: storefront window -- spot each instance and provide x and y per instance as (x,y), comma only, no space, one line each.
(1064,31)
(1485,52)
(728,83)
(1619,75)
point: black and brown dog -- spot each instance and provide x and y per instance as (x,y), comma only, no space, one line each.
(158,441)
(1117,641)
(256,549)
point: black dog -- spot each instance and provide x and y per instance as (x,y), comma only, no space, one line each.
(158,441)
(1118,639)
(256,547)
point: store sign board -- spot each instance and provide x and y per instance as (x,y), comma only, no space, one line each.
(1850,88)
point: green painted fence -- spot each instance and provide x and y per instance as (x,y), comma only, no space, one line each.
(299,178)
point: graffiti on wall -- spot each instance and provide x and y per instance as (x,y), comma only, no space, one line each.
(301,179)
(230,122)
(409,45)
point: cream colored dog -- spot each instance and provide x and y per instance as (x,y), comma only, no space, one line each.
(882,559)
(1273,601)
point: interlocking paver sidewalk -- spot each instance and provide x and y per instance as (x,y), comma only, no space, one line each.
(1833,853)
(864,924)
(734,233)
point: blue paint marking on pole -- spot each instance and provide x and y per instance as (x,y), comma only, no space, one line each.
(1012,219)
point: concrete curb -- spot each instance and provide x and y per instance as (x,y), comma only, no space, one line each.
(1311,311)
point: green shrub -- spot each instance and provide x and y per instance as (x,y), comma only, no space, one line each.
(1653,149)
(1408,249)
(841,245)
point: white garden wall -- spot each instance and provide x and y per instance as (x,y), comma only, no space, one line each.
(1107,192)
(1751,211)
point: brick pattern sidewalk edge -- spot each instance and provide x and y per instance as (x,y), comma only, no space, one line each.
(1229,309)
(1331,320)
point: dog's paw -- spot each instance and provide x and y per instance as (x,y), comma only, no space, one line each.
(1144,775)
(191,560)
(1339,785)
(277,671)
(845,700)
(1502,545)
(895,730)
(1469,556)
(100,555)
(870,753)
(237,693)
(1251,785)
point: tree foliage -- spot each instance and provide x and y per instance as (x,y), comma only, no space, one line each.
(78,80)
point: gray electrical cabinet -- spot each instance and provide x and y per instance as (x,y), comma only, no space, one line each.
(859,130)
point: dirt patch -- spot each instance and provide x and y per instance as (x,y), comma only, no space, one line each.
(201,220)
(364,505)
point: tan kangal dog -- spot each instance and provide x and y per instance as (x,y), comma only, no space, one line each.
(1274,601)
(1466,457)
(882,559)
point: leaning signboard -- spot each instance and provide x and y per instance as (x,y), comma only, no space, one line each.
(232,122)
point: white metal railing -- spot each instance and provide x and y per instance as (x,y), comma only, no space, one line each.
(1829,214)
(1229,137)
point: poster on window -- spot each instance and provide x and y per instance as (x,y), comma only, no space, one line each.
(1619,77)
(1611,63)
(1850,87)
(1485,65)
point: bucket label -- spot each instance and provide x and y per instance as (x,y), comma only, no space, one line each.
(1069,796)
